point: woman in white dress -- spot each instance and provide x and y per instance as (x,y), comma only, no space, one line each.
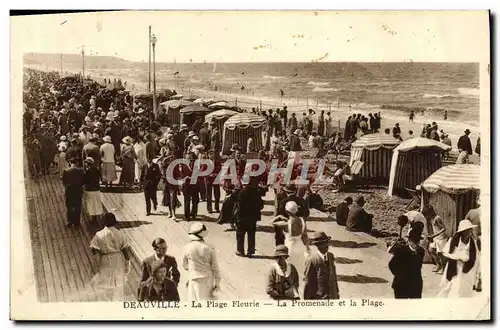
(460,273)
(108,168)
(296,239)
(113,249)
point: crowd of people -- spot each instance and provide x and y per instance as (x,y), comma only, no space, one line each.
(87,133)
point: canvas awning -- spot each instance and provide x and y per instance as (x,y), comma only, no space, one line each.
(454,179)
(244,120)
(376,141)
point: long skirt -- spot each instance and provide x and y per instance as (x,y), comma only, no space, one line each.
(93,203)
(460,286)
(128,169)
(200,289)
(108,172)
(109,282)
(297,252)
(139,170)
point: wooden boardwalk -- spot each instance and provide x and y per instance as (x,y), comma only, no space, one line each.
(63,262)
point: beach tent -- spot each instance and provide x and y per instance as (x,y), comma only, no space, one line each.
(452,191)
(413,161)
(375,151)
(219,105)
(173,108)
(191,112)
(219,117)
(240,127)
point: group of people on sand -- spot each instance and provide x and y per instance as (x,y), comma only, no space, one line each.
(92,143)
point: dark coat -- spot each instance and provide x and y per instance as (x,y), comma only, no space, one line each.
(73,180)
(342,213)
(249,205)
(92,178)
(464,144)
(152,175)
(172,270)
(168,293)
(229,209)
(320,281)
(295,143)
(358,219)
(406,266)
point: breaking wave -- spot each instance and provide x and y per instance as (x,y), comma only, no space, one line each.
(469,91)
(272,77)
(322,89)
(437,96)
(316,83)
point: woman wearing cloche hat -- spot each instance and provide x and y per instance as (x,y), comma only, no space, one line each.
(283,280)
(460,272)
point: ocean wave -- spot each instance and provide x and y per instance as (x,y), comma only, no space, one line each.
(474,92)
(322,89)
(272,77)
(437,96)
(316,83)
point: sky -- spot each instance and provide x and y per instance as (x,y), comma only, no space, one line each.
(253,36)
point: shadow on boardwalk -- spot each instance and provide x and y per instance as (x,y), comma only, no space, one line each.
(359,278)
(351,244)
(132,224)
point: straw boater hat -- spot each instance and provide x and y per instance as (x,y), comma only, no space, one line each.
(319,237)
(110,116)
(297,132)
(190,134)
(107,139)
(281,251)
(141,110)
(184,126)
(464,225)
(127,139)
(63,138)
(89,160)
(195,137)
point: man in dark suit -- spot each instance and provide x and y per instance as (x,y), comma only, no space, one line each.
(320,281)
(152,176)
(342,211)
(160,247)
(358,219)
(294,141)
(73,181)
(291,191)
(249,205)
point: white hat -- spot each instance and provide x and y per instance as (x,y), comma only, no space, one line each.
(191,134)
(63,110)
(127,139)
(117,114)
(109,116)
(87,119)
(197,230)
(107,139)
(291,207)
(184,126)
(62,147)
(141,110)
(464,225)
(169,136)
(63,138)
(195,138)
(297,132)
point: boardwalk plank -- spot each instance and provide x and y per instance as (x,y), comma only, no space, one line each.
(54,283)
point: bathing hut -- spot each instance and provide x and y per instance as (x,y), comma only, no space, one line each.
(413,161)
(375,152)
(219,117)
(173,108)
(190,113)
(240,127)
(452,191)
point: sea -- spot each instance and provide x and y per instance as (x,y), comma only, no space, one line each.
(399,87)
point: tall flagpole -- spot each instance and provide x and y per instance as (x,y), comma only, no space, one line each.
(149,63)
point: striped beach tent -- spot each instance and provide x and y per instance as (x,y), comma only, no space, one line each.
(375,151)
(173,108)
(219,117)
(413,161)
(452,191)
(240,127)
(191,112)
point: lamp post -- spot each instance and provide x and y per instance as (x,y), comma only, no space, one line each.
(149,63)
(153,43)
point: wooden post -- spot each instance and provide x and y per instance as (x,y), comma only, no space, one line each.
(236,101)
(260,105)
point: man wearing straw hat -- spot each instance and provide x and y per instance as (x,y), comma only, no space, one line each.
(460,272)
(200,262)
(320,274)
